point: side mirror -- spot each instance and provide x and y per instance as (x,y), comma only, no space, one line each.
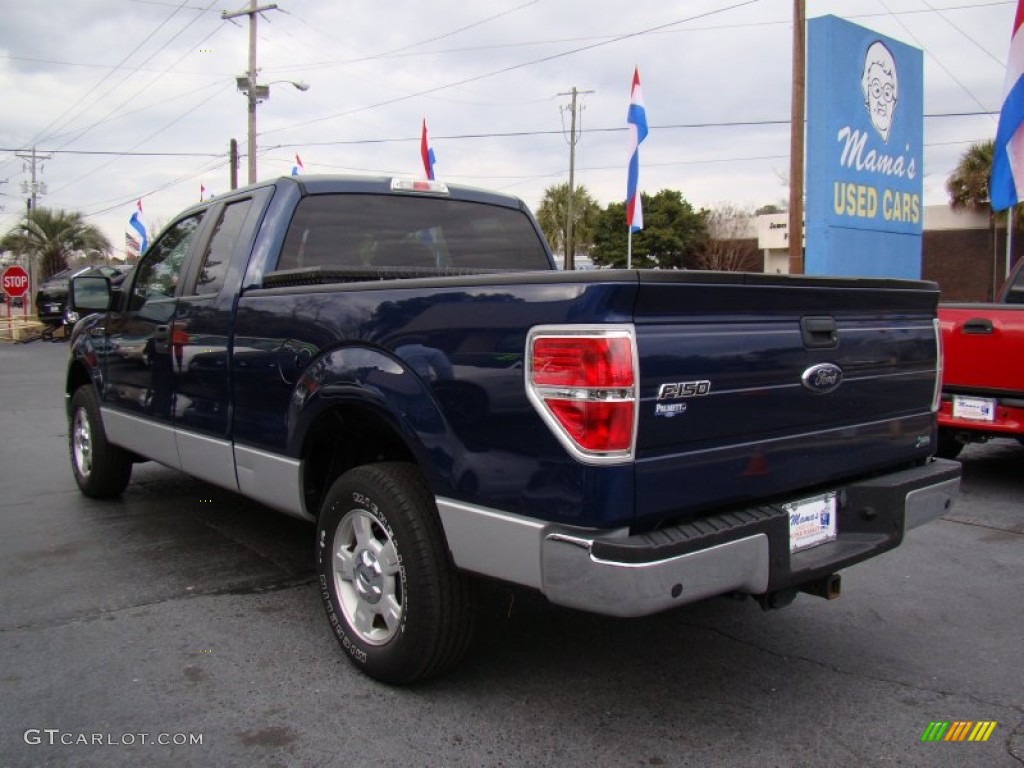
(90,294)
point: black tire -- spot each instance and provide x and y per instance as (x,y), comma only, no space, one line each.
(949,446)
(101,470)
(395,601)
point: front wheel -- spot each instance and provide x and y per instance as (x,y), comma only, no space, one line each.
(102,470)
(396,602)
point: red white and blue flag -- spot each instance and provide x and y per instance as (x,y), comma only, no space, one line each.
(1006,187)
(637,120)
(135,222)
(426,153)
(298,167)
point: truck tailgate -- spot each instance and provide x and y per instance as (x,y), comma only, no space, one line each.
(766,387)
(984,348)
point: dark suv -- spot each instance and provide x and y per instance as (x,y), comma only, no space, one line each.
(52,296)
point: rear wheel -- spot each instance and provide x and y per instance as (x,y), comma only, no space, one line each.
(396,602)
(102,470)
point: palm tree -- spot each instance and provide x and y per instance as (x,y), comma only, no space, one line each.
(968,188)
(552,215)
(968,184)
(50,237)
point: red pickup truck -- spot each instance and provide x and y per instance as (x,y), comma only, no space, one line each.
(983,372)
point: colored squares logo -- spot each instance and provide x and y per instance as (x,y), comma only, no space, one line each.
(958,730)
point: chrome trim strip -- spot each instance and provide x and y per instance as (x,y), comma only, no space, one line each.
(271,479)
(150,439)
(929,503)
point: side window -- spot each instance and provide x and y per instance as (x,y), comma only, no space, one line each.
(222,246)
(158,273)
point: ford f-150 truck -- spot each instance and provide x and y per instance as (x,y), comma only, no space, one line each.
(983,373)
(401,363)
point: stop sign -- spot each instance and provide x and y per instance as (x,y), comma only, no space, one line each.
(15,281)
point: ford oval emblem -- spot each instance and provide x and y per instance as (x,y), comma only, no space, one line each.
(822,378)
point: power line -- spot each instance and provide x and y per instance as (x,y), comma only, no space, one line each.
(613,129)
(521,65)
(120,152)
(180,117)
(934,58)
(148,85)
(939,12)
(459,136)
(122,202)
(89,65)
(559,41)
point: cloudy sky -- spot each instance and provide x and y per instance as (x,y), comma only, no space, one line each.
(137,98)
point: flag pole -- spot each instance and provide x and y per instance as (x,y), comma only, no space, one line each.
(629,248)
(1009,239)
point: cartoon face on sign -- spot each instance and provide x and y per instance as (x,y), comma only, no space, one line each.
(880,85)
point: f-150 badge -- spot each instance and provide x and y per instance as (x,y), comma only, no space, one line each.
(677,390)
(680,389)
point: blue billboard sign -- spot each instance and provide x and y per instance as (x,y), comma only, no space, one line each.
(865,164)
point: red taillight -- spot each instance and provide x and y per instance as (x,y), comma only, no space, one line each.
(599,427)
(583,362)
(583,383)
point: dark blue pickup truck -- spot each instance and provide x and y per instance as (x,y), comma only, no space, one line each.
(401,363)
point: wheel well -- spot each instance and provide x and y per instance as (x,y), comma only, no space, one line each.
(77,377)
(341,439)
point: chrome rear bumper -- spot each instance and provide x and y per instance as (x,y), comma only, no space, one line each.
(613,573)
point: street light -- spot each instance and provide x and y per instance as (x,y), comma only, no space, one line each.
(255,93)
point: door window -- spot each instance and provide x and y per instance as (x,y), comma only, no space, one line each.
(159,271)
(222,246)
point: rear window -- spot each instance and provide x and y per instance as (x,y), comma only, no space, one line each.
(391,231)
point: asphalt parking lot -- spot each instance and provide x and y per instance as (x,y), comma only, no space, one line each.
(180,625)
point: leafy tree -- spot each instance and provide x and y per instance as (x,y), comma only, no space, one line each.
(672,236)
(769,208)
(552,215)
(731,245)
(51,237)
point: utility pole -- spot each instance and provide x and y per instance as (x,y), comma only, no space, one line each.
(233,161)
(796,143)
(570,246)
(33,188)
(254,93)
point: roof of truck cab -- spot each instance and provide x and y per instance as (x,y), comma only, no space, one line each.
(326,184)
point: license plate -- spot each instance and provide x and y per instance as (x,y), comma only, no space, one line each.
(974,408)
(811,521)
